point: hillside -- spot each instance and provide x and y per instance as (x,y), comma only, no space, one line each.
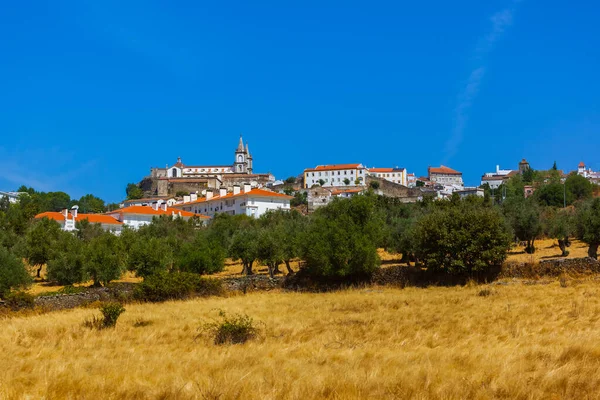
(523,340)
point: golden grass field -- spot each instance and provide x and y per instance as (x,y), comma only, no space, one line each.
(521,342)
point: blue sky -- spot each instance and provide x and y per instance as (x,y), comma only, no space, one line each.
(93,93)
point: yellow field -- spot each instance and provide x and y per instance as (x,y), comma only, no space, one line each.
(520,342)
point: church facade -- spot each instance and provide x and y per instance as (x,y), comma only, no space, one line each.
(180,177)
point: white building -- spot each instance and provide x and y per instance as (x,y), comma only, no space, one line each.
(445,176)
(67,219)
(336,175)
(137,216)
(148,201)
(495,179)
(471,191)
(248,201)
(394,175)
(13,197)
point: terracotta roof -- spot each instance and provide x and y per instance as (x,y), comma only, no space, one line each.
(253,192)
(92,218)
(386,169)
(147,210)
(581,165)
(334,167)
(442,169)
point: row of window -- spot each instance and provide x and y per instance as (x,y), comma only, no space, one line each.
(346,172)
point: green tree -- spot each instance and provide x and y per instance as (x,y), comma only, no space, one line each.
(269,248)
(244,247)
(87,231)
(204,255)
(588,226)
(40,242)
(578,187)
(66,265)
(462,239)
(148,255)
(103,259)
(90,204)
(559,224)
(341,239)
(529,175)
(553,195)
(133,191)
(321,182)
(524,218)
(13,274)
(290,180)
(346,181)
(374,185)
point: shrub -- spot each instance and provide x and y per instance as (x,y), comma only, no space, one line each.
(462,240)
(484,292)
(13,274)
(110,314)
(18,300)
(232,329)
(66,265)
(103,259)
(176,286)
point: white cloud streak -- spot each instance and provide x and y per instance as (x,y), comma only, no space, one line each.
(500,21)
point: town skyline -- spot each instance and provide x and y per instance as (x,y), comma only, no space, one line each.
(96,95)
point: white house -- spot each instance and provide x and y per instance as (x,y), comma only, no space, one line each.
(336,175)
(137,216)
(248,201)
(495,179)
(67,219)
(471,191)
(394,175)
(13,197)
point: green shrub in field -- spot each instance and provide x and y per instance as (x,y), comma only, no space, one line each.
(176,286)
(110,314)
(13,274)
(232,329)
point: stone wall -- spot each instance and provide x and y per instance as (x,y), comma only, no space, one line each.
(391,189)
(555,267)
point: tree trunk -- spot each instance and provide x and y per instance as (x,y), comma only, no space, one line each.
(271,267)
(593,251)
(567,241)
(530,248)
(39,271)
(276,269)
(562,246)
(289,268)
(249,268)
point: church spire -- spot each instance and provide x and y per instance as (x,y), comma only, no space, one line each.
(240,147)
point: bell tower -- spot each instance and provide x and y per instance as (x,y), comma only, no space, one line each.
(240,164)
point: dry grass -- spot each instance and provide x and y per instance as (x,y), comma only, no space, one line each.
(547,249)
(519,342)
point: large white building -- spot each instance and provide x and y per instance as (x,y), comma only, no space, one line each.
(445,176)
(13,197)
(336,175)
(248,201)
(495,179)
(394,175)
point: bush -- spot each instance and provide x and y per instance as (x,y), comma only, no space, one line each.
(18,300)
(110,314)
(66,265)
(462,239)
(176,286)
(232,329)
(13,274)
(103,259)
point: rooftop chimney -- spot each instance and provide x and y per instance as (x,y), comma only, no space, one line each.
(247,187)
(222,192)
(154,205)
(65,212)
(236,189)
(186,199)
(74,211)
(193,197)
(163,206)
(209,194)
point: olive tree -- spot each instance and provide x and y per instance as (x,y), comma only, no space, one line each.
(588,226)
(13,274)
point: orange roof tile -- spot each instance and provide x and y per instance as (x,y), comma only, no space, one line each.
(443,170)
(334,167)
(253,192)
(92,218)
(147,210)
(581,165)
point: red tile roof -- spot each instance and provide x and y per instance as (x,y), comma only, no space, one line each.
(334,167)
(147,210)
(442,170)
(581,165)
(92,218)
(253,192)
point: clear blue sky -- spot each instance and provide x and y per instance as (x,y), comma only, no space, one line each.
(92,94)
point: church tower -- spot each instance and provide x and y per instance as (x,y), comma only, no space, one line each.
(240,164)
(249,158)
